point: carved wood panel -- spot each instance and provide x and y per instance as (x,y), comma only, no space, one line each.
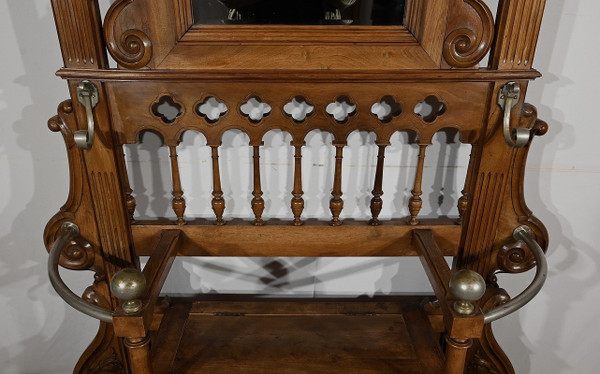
(462,109)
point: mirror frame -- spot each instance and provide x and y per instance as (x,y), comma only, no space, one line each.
(437,34)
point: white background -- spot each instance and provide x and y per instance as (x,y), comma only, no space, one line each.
(557,333)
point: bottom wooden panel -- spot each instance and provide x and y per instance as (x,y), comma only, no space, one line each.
(295,337)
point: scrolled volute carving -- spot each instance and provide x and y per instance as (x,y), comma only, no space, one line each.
(466,44)
(56,123)
(133,48)
(515,258)
(93,294)
(79,254)
(529,119)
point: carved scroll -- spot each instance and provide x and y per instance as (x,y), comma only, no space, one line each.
(131,48)
(470,35)
(512,258)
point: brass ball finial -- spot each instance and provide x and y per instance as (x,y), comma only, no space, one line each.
(129,285)
(466,286)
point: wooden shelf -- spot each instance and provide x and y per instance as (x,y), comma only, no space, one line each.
(295,337)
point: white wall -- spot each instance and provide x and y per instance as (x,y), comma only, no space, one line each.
(555,334)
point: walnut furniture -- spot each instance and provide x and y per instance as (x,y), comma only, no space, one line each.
(329,69)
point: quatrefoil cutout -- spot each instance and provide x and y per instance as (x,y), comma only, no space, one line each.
(255,109)
(298,109)
(430,109)
(167,109)
(386,109)
(212,109)
(341,109)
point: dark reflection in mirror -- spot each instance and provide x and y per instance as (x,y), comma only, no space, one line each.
(299,12)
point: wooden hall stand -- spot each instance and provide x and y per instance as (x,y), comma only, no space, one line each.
(335,75)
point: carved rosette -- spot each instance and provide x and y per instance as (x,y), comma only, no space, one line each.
(469,37)
(132,48)
(513,258)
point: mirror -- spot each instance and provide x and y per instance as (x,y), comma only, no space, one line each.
(299,12)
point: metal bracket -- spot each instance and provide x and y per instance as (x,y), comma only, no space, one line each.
(68,231)
(525,234)
(507,99)
(87,94)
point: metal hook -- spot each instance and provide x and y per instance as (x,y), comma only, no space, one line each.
(87,94)
(507,99)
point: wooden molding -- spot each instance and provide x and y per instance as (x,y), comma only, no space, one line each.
(78,23)
(519,23)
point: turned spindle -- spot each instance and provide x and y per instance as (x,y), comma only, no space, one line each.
(415,203)
(258,204)
(138,350)
(130,202)
(218,203)
(376,201)
(336,204)
(297,200)
(178,201)
(467,287)
(456,355)
(463,201)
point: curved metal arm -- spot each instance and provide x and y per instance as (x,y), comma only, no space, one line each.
(525,234)
(508,98)
(87,93)
(68,231)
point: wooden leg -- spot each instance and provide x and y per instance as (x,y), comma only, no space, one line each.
(488,357)
(139,355)
(104,355)
(456,355)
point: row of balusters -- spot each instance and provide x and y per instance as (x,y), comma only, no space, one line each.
(336,203)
